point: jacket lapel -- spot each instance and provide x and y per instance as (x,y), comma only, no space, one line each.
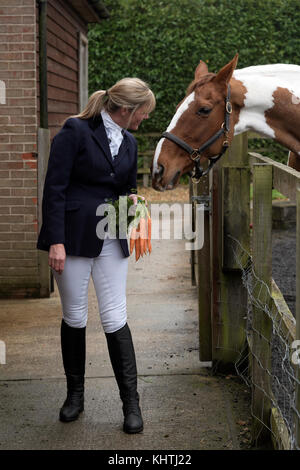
(122,151)
(100,137)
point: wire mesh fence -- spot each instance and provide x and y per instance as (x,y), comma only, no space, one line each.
(280,375)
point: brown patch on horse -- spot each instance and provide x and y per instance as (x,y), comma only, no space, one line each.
(286,132)
(294,161)
(199,82)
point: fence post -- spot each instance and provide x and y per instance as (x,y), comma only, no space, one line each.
(202,263)
(261,323)
(297,404)
(230,216)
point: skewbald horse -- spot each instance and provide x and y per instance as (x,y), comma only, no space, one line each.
(263,98)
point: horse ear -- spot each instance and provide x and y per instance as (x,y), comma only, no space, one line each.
(225,74)
(201,69)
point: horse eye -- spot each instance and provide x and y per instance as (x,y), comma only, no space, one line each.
(203,111)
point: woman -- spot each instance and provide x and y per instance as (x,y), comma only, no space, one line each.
(93,159)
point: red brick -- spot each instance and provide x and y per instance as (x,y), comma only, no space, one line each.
(28,56)
(21,46)
(28,173)
(12,111)
(11,183)
(21,102)
(22,228)
(18,65)
(11,219)
(12,201)
(24,210)
(11,19)
(25,138)
(11,165)
(4,210)
(11,39)
(29,37)
(32,236)
(4,228)
(28,19)
(29,74)
(5,254)
(29,91)
(4,66)
(12,129)
(11,55)
(11,74)
(24,192)
(30,147)
(14,93)
(21,84)
(28,183)
(22,120)
(12,148)
(24,245)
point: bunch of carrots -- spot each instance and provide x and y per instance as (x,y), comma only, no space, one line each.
(140,236)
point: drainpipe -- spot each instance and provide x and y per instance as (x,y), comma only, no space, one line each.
(43,64)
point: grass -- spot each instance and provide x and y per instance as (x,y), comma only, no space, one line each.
(275,194)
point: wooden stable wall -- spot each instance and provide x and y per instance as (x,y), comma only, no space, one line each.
(63,29)
(23,146)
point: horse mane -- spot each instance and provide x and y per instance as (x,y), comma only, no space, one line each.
(198,82)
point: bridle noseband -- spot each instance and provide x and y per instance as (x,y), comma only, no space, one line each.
(195,154)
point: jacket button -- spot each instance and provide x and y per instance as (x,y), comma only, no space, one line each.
(112,174)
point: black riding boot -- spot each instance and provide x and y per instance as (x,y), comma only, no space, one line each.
(122,356)
(73,354)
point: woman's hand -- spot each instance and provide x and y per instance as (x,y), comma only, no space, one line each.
(57,257)
(135,197)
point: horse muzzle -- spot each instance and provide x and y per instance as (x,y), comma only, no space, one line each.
(160,182)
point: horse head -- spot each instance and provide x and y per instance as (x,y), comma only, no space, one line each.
(199,117)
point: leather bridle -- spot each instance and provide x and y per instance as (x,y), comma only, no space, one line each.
(195,154)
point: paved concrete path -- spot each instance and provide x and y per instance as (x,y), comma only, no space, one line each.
(184,405)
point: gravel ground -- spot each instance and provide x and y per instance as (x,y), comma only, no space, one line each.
(284,264)
(181,193)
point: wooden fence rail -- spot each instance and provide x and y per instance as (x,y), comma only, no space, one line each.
(223,299)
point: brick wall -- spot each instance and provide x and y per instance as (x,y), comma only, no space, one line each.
(18,137)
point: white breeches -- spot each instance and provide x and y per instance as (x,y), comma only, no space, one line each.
(109,273)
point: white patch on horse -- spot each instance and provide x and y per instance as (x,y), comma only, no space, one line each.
(295,99)
(156,155)
(182,108)
(261,81)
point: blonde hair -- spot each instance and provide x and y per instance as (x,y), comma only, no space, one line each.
(129,93)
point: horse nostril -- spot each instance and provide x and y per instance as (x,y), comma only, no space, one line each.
(161,170)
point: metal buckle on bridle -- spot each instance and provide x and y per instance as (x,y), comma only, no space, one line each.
(228,107)
(195,155)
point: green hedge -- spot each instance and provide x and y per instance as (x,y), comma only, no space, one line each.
(162,42)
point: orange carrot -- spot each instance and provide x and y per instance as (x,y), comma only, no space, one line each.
(132,239)
(143,235)
(149,234)
(137,244)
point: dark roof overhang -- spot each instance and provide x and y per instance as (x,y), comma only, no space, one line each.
(91,11)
